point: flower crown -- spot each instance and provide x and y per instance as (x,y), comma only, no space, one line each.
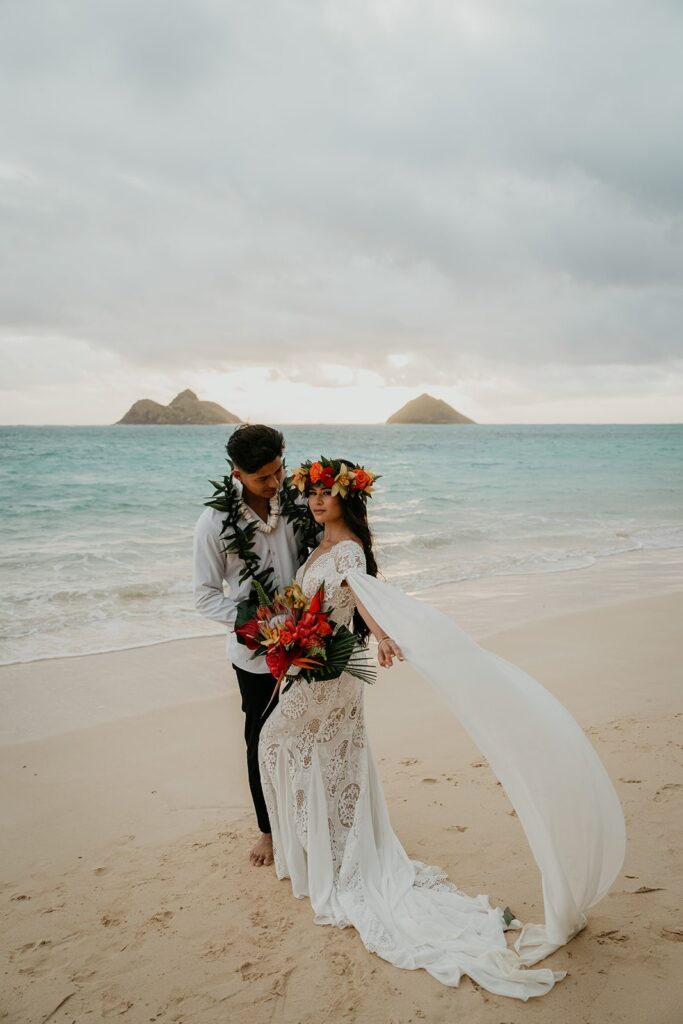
(335,474)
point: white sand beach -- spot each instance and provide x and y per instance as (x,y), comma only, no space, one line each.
(126,889)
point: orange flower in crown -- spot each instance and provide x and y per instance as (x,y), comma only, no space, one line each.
(340,478)
(362,480)
(315,471)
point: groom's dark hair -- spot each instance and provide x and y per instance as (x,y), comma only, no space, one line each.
(252,445)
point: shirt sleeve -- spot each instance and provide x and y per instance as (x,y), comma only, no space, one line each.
(209,569)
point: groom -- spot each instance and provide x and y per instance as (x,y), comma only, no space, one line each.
(255,452)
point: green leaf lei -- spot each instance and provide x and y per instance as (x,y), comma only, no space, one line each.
(240,539)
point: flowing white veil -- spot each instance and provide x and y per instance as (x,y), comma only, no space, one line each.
(563,796)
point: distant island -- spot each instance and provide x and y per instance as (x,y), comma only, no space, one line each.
(185,409)
(426,409)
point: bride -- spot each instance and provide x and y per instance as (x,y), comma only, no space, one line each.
(332,836)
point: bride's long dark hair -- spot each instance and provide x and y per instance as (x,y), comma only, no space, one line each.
(355,515)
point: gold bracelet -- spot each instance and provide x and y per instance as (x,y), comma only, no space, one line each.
(383,638)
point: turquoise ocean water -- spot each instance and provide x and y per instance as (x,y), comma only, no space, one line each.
(96,522)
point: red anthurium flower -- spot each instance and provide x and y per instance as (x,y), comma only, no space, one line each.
(278,661)
(250,633)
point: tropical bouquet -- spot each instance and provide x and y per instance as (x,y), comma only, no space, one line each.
(297,638)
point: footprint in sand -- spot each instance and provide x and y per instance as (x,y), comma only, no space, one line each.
(101,871)
(27,946)
(249,971)
(109,921)
(611,936)
(429,780)
(341,964)
(456,828)
(82,976)
(162,919)
(114,1005)
(408,760)
(666,790)
(630,780)
(216,952)
(45,957)
(672,934)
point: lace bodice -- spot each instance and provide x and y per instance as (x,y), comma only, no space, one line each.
(330,568)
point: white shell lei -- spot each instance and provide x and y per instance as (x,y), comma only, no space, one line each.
(251,516)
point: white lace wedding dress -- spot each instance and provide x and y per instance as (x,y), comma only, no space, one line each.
(331,830)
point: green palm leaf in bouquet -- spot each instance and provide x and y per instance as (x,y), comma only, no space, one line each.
(346,654)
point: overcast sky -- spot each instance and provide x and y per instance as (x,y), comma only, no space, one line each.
(313,211)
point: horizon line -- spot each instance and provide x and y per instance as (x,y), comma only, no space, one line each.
(371,423)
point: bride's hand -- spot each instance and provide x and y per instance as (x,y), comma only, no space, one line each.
(387,650)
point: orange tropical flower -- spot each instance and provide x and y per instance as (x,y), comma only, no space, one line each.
(362,480)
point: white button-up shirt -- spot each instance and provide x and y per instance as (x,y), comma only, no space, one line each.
(212,565)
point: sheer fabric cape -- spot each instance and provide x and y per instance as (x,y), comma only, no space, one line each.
(563,796)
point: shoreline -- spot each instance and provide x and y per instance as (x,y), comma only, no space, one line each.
(493,603)
(456,598)
(51,696)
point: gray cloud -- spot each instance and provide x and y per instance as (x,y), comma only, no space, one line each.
(221,185)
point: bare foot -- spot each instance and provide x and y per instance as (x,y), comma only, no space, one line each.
(262,851)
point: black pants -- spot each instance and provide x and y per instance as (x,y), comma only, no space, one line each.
(256,688)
